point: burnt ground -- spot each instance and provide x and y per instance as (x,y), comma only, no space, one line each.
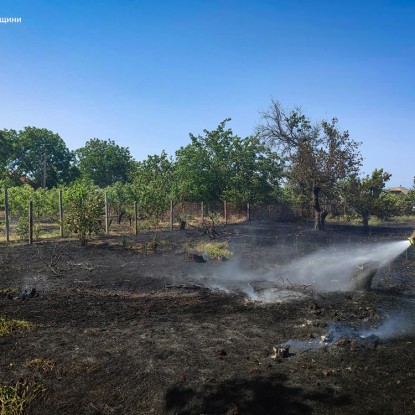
(121,329)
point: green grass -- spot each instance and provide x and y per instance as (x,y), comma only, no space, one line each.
(15,399)
(215,250)
(9,326)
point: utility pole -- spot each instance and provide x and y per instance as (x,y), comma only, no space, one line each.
(44,171)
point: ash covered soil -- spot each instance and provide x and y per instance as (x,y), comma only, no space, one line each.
(119,329)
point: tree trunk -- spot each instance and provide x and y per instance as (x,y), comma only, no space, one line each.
(323,216)
(365,217)
(120,214)
(319,214)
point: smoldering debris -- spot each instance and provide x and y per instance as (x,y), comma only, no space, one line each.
(280,352)
(272,295)
(401,324)
(397,325)
(261,291)
(33,293)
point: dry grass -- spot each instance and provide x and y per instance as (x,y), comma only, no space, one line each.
(40,363)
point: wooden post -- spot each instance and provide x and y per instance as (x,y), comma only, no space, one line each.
(6,214)
(171,215)
(106,214)
(248,211)
(202,212)
(135,218)
(225,210)
(61,212)
(30,223)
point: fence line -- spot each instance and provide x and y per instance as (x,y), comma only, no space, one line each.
(183,213)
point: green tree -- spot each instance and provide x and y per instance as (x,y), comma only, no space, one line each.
(121,200)
(104,162)
(6,149)
(366,195)
(411,199)
(222,166)
(6,155)
(40,156)
(154,184)
(318,156)
(389,205)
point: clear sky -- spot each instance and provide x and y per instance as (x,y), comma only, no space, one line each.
(146,73)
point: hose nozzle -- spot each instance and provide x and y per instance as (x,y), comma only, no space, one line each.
(412,238)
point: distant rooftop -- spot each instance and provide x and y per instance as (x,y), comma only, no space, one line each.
(398,190)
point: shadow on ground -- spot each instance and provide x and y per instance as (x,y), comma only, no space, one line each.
(258,395)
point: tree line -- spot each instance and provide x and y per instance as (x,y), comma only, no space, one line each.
(287,159)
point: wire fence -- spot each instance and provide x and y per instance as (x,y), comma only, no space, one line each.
(43,218)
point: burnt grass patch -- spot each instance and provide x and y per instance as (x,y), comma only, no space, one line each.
(120,330)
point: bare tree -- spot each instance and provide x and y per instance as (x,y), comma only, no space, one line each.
(318,156)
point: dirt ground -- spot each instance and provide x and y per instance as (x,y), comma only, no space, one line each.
(128,326)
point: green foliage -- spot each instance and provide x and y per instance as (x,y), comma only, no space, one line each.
(409,203)
(222,166)
(215,250)
(388,205)
(154,185)
(289,196)
(16,399)
(45,205)
(23,228)
(19,198)
(32,148)
(104,162)
(121,199)
(84,205)
(366,195)
(7,179)
(6,153)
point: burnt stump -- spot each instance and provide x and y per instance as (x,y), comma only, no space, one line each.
(362,275)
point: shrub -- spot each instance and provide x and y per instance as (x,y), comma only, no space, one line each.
(84,205)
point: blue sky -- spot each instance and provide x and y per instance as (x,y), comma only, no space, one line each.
(147,73)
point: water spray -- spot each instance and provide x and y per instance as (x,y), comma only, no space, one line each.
(336,268)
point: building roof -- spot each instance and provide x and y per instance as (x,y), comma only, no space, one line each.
(398,190)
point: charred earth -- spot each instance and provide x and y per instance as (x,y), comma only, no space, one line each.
(117,329)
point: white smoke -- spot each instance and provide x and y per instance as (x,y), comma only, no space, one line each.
(401,324)
(326,270)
